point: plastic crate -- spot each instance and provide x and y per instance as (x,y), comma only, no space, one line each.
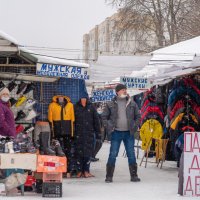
(51,189)
(52,177)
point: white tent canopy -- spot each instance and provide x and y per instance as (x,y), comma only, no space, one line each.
(108,68)
(170,62)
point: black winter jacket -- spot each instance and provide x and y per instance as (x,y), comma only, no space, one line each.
(87,125)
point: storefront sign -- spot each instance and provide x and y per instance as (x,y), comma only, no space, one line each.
(102,95)
(135,82)
(191,164)
(65,71)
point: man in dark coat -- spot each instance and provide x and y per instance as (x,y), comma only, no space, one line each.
(122,118)
(86,125)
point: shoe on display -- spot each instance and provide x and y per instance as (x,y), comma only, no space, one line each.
(29,103)
(19,128)
(13,101)
(28,129)
(30,87)
(31,115)
(20,101)
(20,115)
(11,86)
(2,85)
(21,87)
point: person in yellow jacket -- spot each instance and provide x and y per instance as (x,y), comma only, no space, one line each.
(61,118)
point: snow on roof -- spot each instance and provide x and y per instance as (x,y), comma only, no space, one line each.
(5,39)
(51,60)
(108,68)
(190,46)
(173,61)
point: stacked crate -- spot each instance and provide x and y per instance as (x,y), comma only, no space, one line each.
(52,168)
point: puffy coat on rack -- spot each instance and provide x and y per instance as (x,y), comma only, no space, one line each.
(87,125)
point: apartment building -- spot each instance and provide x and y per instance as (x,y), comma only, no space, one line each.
(107,39)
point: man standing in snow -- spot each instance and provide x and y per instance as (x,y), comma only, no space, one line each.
(122,118)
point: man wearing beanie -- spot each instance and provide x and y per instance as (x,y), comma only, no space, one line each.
(7,122)
(122,119)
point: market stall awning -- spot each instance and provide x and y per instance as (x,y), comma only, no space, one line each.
(108,68)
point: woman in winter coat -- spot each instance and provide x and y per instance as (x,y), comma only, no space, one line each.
(7,121)
(86,126)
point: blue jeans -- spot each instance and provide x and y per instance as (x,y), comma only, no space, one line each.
(128,140)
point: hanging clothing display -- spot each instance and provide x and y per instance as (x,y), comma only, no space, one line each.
(61,116)
(183,112)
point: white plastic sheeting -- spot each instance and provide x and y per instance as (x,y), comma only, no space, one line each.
(108,68)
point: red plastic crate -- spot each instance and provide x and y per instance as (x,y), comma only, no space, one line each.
(52,177)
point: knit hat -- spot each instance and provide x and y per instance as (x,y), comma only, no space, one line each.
(4,91)
(120,87)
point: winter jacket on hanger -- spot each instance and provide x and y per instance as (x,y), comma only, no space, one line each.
(152,109)
(152,115)
(61,117)
(150,129)
(181,91)
(190,83)
(179,118)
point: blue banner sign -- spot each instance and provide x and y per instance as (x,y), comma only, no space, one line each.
(102,95)
(65,71)
(135,82)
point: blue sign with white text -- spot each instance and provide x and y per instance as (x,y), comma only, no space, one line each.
(44,69)
(102,95)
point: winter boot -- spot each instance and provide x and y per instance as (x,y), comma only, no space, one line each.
(58,148)
(21,87)
(2,85)
(109,173)
(20,115)
(13,101)
(133,173)
(44,144)
(30,87)
(11,86)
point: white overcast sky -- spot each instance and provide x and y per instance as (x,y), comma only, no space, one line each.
(51,23)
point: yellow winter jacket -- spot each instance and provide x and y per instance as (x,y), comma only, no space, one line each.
(150,129)
(179,118)
(61,122)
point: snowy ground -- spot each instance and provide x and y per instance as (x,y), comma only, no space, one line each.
(156,184)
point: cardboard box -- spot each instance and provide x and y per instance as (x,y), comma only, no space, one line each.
(18,161)
(51,164)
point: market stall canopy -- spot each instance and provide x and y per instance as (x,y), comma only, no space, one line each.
(108,68)
(7,43)
(174,61)
(8,46)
